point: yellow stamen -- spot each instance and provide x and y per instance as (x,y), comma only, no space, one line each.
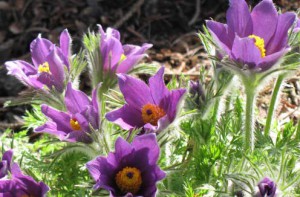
(152,113)
(122,58)
(260,44)
(44,68)
(129,179)
(75,124)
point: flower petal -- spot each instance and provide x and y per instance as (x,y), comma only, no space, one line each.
(264,17)
(170,103)
(135,50)
(245,51)
(78,136)
(126,65)
(221,35)
(25,72)
(157,86)
(61,119)
(51,128)
(239,18)
(147,141)
(280,38)
(126,117)
(40,48)
(135,91)
(270,60)
(122,148)
(65,43)
(76,101)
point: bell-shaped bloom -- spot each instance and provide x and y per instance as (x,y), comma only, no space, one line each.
(131,170)
(116,57)
(267,188)
(257,39)
(73,125)
(48,64)
(5,164)
(151,106)
(21,185)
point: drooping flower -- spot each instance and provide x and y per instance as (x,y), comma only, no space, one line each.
(267,188)
(257,39)
(151,106)
(49,62)
(131,170)
(117,57)
(73,125)
(21,185)
(5,164)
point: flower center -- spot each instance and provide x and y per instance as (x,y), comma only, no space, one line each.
(122,58)
(75,124)
(44,68)
(260,44)
(152,113)
(129,179)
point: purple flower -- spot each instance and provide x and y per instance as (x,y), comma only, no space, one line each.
(117,57)
(73,125)
(21,185)
(153,106)
(5,164)
(48,64)
(131,170)
(257,39)
(266,188)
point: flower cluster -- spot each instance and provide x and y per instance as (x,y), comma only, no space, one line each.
(19,185)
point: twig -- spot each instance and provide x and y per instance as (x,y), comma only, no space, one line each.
(134,8)
(197,13)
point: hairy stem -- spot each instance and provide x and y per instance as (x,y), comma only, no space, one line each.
(275,95)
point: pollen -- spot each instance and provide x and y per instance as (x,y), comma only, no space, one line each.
(152,113)
(44,68)
(122,58)
(129,179)
(260,44)
(75,124)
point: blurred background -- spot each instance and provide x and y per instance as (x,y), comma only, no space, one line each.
(171,25)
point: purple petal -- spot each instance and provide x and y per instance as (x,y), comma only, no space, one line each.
(122,148)
(239,18)
(7,156)
(78,136)
(40,48)
(25,72)
(126,117)
(157,86)
(221,35)
(135,91)
(147,141)
(61,119)
(111,51)
(264,17)
(136,50)
(51,128)
(126,65)
(270,60)
(75,100)
(65,43)
(245,51)
(280,38)
(170,103)
(163,123)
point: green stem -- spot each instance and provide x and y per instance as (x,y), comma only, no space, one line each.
(249,117)
(215,114)
(275,95)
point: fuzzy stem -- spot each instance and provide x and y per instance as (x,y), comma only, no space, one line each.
(249,116)
(275,95)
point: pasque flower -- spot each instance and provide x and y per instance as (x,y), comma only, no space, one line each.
(257,39)
(131,170)
(267,188)
(151,106)
(197,92)
(19,185)
(73,125)
(49,63)
(5,164)
(117,57)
